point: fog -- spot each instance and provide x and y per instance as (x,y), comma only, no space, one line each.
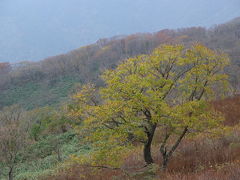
(36,29)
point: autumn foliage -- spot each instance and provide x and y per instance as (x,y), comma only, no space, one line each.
(202,157)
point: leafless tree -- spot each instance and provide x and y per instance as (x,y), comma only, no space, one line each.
(13,137)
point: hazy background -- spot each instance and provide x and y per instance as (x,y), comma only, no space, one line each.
(35,29)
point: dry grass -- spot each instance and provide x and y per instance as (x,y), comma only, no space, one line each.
(83,173)
(227,172)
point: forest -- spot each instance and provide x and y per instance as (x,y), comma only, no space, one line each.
(158,105)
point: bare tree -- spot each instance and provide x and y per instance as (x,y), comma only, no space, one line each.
(13,137)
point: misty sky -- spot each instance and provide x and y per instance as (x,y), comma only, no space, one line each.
(36,29)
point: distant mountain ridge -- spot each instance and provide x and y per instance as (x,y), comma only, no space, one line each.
(34,30)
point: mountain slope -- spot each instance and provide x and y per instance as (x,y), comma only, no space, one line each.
(48,82)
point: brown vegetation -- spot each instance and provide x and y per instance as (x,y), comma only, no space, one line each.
(230,107)
(200,158)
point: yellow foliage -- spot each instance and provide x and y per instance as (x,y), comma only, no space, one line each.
(169,88)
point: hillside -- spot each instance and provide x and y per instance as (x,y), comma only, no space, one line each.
(161,105)
(33,30)
(127,128)
(48,82)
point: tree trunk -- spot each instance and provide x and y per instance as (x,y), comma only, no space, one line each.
(166,155)
(10,174)
(147,146)
(165,163)
(147,153)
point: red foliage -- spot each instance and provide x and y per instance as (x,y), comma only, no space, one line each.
(230,107)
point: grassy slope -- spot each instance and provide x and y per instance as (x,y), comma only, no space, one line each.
(37,94)
(43,159)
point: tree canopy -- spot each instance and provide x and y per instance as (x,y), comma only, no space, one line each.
(167,90)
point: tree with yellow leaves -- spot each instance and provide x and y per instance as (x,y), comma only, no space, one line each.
(167,90)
